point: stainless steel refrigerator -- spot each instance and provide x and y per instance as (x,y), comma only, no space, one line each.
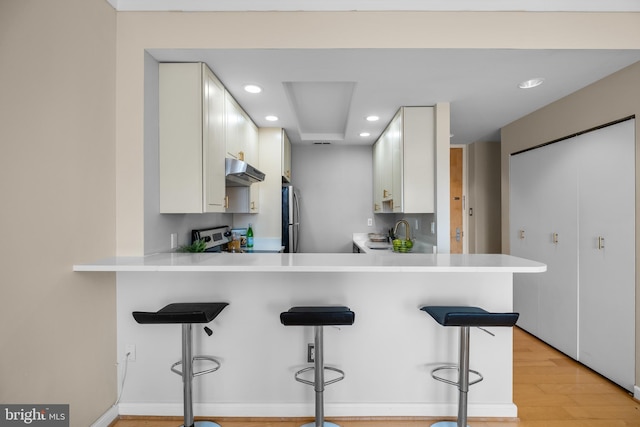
(290,219)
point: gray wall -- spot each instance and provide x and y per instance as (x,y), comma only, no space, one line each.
(484,198)
(335,185)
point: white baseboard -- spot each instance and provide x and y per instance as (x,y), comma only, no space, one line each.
(106,418)
(331,410)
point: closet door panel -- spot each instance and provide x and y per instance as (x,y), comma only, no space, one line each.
(607,252)
(558,180)
(543,208)
(523,221)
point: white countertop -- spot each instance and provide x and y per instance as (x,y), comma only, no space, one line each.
(343,262)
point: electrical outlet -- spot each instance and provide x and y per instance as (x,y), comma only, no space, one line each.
(311,353)
(174,240)
(370,222)
(130,350)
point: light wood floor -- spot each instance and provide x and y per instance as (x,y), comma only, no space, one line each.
(550,390)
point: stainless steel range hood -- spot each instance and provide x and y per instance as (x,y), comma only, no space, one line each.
(241,174)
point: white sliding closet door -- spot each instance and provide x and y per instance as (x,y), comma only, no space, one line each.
(544,206)
(607,252)
(572,206)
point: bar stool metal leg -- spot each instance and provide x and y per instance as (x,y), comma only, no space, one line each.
(318,317)
(464,376)
(319,383)
(463,382)
(187,380)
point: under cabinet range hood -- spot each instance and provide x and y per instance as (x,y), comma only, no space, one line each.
(241,174)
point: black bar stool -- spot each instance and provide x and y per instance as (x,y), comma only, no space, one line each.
(465,317)
(318,317)
(187,314)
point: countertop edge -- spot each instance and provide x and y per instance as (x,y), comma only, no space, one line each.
(316,263)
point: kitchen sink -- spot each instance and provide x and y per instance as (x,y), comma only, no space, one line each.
(379,245)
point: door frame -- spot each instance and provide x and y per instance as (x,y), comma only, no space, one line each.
(465,198)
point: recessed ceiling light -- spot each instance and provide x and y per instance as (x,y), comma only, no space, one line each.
(363,134)
(373,118)
(253,88)
(271,118)
(531,83)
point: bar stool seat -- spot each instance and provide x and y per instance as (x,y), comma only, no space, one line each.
(465,317)
(318,317)
(187,314)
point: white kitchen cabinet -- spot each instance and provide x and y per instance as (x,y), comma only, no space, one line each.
(572,207)
(396,165)
(242,144)
(404,163)
(191,138)
(378,159)
(286,157)
(241,133)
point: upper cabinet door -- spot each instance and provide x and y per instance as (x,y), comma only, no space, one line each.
(404,163)
(191,138)
(213,142)
(234,127)
(286,157)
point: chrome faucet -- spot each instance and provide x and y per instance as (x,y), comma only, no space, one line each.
(407,229)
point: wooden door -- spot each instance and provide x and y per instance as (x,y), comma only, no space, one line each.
(456,232)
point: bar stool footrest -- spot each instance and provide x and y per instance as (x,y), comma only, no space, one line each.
(311,368)
(457,368)
(193,359)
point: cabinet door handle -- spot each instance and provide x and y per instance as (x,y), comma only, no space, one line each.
(253,206)
(600,243)
(226,202)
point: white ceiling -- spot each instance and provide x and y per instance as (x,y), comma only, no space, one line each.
(327,84)
(325,94)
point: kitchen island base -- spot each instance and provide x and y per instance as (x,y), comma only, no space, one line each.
(388,353)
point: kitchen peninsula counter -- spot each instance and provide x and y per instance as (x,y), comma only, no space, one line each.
(387,354)
(315,263)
